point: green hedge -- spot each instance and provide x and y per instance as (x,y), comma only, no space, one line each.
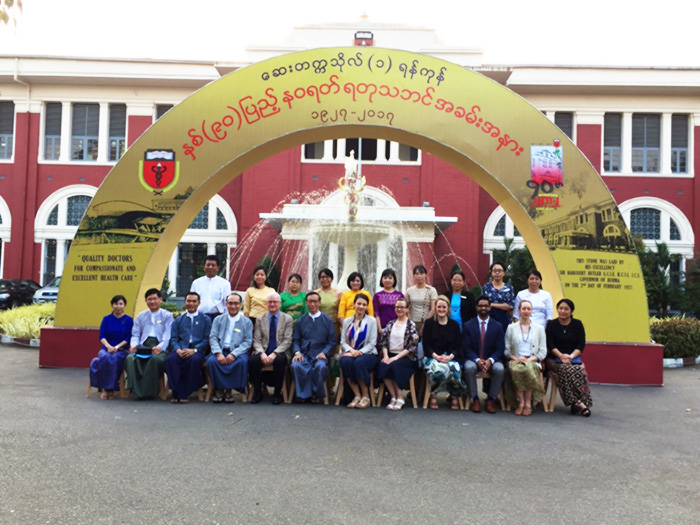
(679,335)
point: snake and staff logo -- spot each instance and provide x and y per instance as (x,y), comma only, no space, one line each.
(159,171)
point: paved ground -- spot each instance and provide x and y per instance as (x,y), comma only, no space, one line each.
(71,460)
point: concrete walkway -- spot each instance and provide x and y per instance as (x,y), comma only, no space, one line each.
(65,459)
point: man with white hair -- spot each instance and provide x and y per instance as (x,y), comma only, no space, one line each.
(272,342)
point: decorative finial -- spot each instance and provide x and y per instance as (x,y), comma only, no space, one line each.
(352,185)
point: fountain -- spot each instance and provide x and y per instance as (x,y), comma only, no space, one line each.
(356,226)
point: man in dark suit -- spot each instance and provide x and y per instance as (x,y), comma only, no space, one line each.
(189,346)
(483,343)
(272,345)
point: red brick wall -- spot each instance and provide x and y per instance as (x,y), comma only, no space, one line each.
(589,139)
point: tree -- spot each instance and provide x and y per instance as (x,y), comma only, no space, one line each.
(691,288)
(517,262)
(9,9)
(662,293)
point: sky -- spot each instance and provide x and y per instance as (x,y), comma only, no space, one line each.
(595,32)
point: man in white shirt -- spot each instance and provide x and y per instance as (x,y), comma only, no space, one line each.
(212,289)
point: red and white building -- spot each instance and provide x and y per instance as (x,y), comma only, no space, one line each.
(64,122)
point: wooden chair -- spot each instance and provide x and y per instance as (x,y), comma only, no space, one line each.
(268,368)
(412,389)
(292,388)
(162,388)
(426,393)
(545,404)
(210,390)
(123,392)
(341,386)
(501,394)
(551,383)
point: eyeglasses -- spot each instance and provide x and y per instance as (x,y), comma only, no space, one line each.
(312,301)
(397,307)
(497,271)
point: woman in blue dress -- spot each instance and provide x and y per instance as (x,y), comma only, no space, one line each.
(501,294)
(115,333)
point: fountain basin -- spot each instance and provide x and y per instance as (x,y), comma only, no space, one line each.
(351,234)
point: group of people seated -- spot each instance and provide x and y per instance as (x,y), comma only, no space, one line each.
(504,338)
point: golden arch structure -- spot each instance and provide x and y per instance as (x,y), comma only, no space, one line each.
(557,200)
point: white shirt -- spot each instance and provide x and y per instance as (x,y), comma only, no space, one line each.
(524,345)
(396,337)
(316,315)
(485,322)
(212,293)
(542,307)
(155,318)
(191,316)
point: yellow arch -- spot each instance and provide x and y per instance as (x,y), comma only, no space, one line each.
(491,134)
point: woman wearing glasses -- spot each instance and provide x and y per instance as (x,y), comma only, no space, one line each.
(501,295)
(398,345)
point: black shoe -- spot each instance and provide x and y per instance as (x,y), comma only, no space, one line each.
(277,400)
(257,398)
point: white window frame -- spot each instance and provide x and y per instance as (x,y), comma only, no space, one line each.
(211,237)
(65,156)
(685,247)
(11,158)
(5,232)
(60,232)
(381,147)
(496,242)
(120,151)
(665,160)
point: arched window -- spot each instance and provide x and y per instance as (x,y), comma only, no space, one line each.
(55,225)
(213,231)
(499,227)
(5,228)
(646,222)
(657,220)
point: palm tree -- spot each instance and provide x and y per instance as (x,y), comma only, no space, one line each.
(662,293)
